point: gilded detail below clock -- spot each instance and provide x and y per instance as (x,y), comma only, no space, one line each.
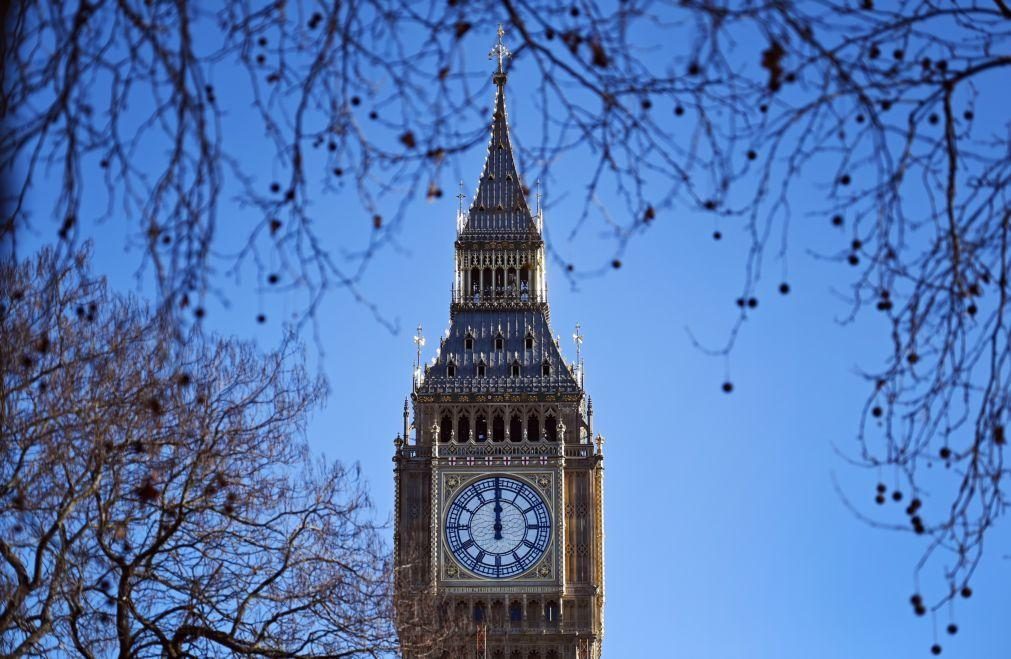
(498,527)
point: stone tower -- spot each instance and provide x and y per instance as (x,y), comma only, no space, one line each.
(499,532)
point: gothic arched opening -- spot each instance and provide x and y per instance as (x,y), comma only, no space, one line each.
(486,278)
(551,613)
(551,428)
(546,368)
(533,611)
(514,369)
(515,613)
(480,613)
(498,429)
(463,429)
(481,428)
(533,428)
(515,428)
(445,428)
(497,614)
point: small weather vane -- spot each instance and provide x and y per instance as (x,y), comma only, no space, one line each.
(499,50)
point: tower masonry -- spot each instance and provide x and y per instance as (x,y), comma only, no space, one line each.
(499,530)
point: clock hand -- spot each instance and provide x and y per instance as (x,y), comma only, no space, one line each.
(498,512)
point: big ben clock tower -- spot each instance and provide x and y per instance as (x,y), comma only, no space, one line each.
(499,488)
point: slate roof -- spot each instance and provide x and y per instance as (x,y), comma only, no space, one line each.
(499,210)
(485,326)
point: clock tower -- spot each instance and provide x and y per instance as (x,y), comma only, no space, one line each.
(499,533)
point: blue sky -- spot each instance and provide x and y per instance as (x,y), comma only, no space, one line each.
(726,537)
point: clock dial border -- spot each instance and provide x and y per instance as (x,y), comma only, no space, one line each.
(522,527)
(546,481)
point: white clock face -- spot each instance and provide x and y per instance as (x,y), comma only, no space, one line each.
(498,527)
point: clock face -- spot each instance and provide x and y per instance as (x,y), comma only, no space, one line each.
(498,527)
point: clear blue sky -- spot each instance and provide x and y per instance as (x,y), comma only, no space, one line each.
(726,538)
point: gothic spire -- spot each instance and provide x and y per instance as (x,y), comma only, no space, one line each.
(499,210)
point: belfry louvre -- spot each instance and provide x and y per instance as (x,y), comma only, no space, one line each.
(499,531)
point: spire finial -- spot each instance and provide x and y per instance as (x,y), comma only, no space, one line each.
(577,336)
(500,51)
(461,196)
(419,340)
(538,196)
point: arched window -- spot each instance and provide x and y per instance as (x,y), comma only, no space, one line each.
(551,428)
(445,428)
(481,428)
(487,282)
(533,428)
(461,611)
(515,613)
(481,368)
(479,612)
(514,370)
(546,368)
(515,428)
(551,613)
(468,341)
(498,429)
(534,614)
(451,369)
(499,341)
(528,341)
(498,617)
(463,429)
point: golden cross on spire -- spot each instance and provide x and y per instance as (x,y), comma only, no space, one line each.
(499,50)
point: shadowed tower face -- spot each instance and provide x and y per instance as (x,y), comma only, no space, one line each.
(499,524)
